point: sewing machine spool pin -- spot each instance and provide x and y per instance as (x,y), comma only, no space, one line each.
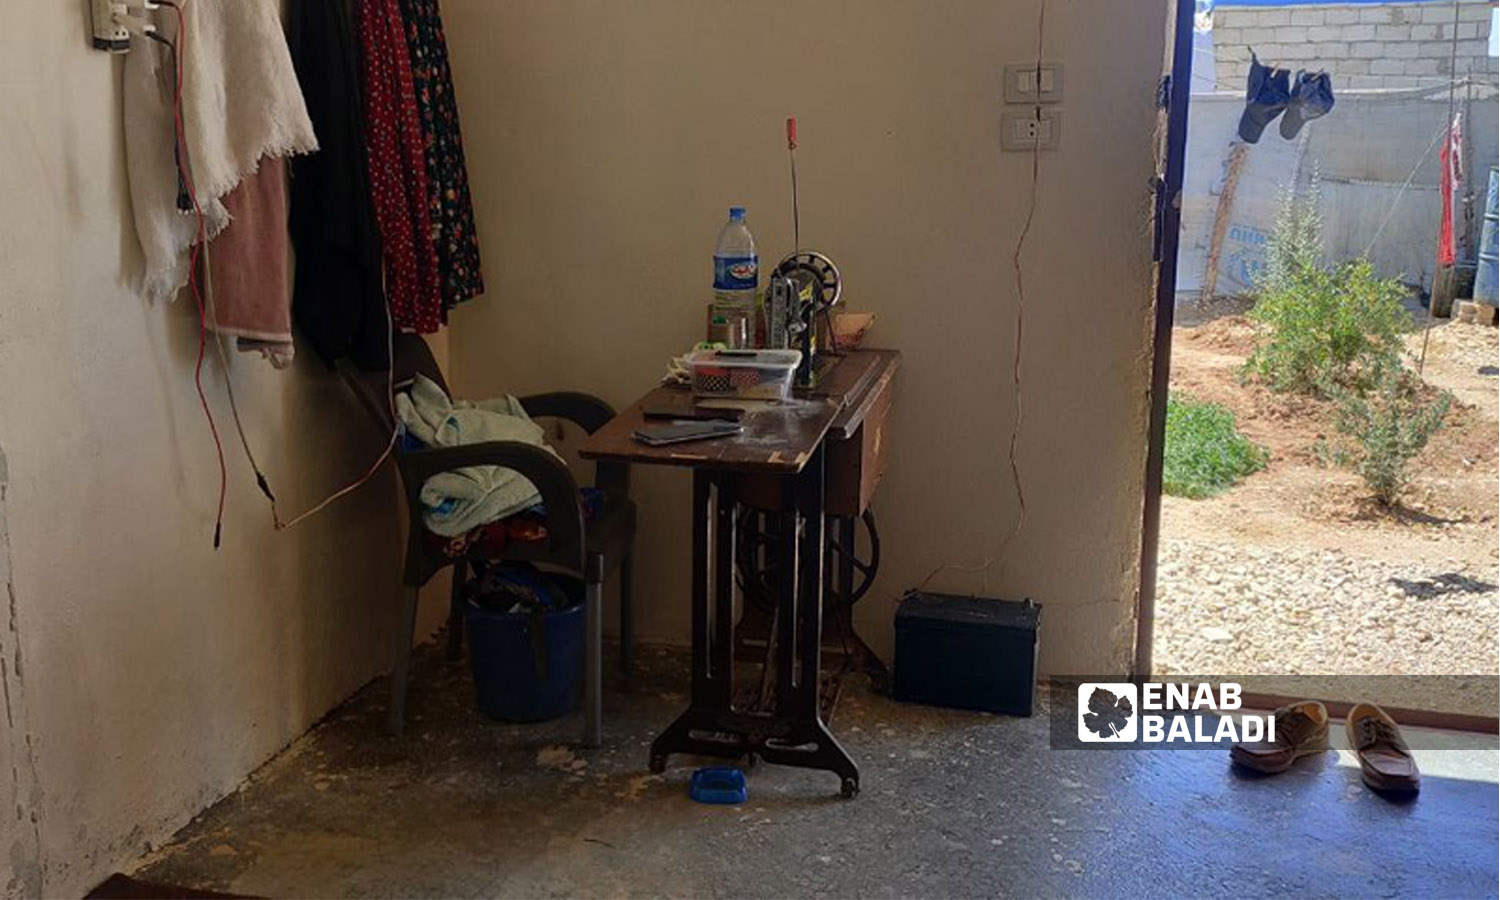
(811,279)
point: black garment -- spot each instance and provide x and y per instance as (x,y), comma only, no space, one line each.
(1266,96)
(1312,98)
(338,300)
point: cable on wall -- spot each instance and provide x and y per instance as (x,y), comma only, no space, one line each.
(203,298)
(983,569)
(261,481)
(184,174)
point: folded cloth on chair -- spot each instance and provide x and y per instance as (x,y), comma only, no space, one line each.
(455,502)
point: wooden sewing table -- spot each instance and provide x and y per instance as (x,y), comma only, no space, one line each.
(801,465)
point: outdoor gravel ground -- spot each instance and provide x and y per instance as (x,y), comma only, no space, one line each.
(1240,611)
(1248,610)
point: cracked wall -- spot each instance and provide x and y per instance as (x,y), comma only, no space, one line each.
(157,672)
(623,131)
(18,822)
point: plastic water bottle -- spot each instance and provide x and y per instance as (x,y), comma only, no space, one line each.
(736,269)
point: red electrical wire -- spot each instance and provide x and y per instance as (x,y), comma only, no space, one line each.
(199,246)
(201,238)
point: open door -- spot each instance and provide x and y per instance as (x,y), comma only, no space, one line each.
(1289,542)
(1173,102)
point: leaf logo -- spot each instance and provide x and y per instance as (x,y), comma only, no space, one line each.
(1107,712)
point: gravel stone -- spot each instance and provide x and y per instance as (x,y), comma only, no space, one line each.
(1290,612)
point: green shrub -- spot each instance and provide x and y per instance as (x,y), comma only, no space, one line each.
(1385,427)
(1205,453)
(1321,325)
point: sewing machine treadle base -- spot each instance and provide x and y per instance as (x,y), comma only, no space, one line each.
(806,743)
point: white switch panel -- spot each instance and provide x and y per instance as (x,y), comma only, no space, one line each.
(1021,83)
(1025,130)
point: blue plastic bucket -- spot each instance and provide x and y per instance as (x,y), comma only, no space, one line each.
(510,683)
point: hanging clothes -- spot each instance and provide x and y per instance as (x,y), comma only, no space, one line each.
(247,272)
(398,169)
(1452,159)
(337,299)
(240,103)
(449,206)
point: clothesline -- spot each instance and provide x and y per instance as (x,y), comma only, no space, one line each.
(1438,85)
(1405,186)
(1437,81)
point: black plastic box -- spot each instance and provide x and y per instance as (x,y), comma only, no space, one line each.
(967,652)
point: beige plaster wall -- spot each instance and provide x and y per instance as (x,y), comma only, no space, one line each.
(145,674)
(605,140)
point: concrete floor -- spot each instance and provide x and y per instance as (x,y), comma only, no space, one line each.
(954,804)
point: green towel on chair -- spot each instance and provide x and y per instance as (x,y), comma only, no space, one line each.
(457,502)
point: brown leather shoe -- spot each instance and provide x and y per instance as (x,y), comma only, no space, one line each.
(1384,759)
(1301,730)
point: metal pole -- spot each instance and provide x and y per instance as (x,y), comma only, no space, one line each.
(1447,139)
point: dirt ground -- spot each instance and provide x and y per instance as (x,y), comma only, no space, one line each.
(1355,564)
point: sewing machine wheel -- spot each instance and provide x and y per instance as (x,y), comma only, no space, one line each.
(758,558)
(864,570)
(810,268)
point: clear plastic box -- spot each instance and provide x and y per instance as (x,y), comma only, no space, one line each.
(743,374)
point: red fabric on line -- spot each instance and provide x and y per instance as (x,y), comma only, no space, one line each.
(1452,163)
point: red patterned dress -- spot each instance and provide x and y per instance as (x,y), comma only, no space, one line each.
(399,186)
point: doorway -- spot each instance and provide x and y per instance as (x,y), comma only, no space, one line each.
(1287,543)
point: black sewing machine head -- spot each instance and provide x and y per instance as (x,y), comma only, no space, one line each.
(802,293)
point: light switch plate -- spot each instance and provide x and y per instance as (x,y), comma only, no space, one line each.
(1039,127)
(1021,83)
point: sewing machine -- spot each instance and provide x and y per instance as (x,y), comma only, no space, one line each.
(801,295)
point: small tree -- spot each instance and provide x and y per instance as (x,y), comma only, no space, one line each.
(1385,427)
(1320,325)
(1296,244)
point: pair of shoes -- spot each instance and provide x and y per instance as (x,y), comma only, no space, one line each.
(1385,762)
(1272,91)
(1301,730)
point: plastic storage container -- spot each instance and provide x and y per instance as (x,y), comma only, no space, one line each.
(524,675)
(743,374)
(967,652)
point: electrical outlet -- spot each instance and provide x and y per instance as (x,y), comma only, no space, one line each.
(108,33)
(1038,128)
(1022,84)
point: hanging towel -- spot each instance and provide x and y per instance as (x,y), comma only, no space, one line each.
(398,169)
(338,298)
(449,204)
(454,503)
(240,102)
(249,296)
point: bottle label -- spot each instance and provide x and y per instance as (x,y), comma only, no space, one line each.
(736,273)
